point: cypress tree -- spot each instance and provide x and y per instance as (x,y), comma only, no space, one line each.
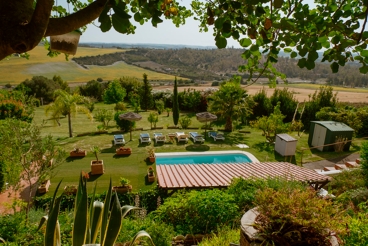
(146,95)
(175,108)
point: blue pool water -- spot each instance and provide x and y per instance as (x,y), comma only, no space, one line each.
(200,159)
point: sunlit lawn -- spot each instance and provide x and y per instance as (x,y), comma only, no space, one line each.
(134,167)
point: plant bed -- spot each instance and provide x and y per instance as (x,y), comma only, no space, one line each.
(172,127)
(123,151)
(70,189)
(78,153)
(138,129)
(44,187)
(157,127)
(97,167)
(122,189)
(100,132)
(84,134)
(241,131)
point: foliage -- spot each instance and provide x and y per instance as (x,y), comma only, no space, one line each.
(114,93)
(271,125)
(346,180)
(287,101)
(353,197)
(104,116)
(262,106)
(364,158)
(69,105)
(2,176)
(185,122)
(175,107)
(224,236)
(135,101)
(153,118)
(297,215)
(198,211)
(150,151)
(145,93)
(161,233)
(190,99)
(160,106)
(125,125)
(27,155)
(120,106)
(96,150)
(100,218)
(63,84)
(131,85)
(358,228)
(92,89)
(124,181)
(227,102)
(40,87)
(245,190)
(14,109)
(324,97)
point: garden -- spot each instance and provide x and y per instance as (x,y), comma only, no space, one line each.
(87,129)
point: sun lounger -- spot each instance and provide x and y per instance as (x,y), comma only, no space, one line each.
(182,137)
(216,135)
(144,138)
(119,139)
(196,137)
(159,137)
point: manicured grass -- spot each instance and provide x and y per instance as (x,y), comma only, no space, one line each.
(134,167)
(15,70)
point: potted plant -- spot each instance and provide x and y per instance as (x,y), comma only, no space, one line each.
(151,174)
(124,186)
(123,151)
(97,166)
(44,186)
(77,152)
(151,153)
(70,189)
(66,43)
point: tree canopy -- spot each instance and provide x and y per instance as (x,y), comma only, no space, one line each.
(265,28)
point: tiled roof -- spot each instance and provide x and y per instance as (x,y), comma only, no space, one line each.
(220,175)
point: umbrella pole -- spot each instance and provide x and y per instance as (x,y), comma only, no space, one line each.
(130,133)
(205,130)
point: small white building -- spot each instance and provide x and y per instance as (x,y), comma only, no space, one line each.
(285,144)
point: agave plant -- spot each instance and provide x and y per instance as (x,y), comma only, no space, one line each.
(89,221)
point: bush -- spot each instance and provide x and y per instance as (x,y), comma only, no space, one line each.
(120,106)
(185,122)
(198,211)
(356,196)
(297,215)
(225,236)
(358,228)
(346,180)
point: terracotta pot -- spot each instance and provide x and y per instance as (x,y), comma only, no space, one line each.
(122,189)
(65,43)
(124,151)
(152,159)
(80,153)
(151,177)
(44,187)
(97,167)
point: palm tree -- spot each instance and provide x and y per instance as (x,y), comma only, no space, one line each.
(68,105)
(228,102)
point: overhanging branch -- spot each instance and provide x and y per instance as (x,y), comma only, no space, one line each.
(58,26)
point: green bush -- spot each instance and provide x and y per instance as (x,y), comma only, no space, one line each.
(346,180)
(356,196)
(358,228)
(225,236)
(198,211)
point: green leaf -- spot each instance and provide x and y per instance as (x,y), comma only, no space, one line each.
(105,23)
(310,64)
(293,54)
(155,20)
(363,69)
(312,55)
(96,219)
(334,67)
(335,39)
(221,42)
(235,34)
(114,223)
(245,42)
(120,25)
(364,53)
(137,17)
(302,62)
(219,22)
(288,50)
(139,235)
(81,214)
(52,224)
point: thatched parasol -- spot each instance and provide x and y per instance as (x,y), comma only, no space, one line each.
(206,117)
(131,117)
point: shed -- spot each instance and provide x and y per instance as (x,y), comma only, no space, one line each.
(285,144)
(326,132)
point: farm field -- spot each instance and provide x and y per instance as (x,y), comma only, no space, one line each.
(15,69)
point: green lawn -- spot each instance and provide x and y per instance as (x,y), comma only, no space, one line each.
(134,167)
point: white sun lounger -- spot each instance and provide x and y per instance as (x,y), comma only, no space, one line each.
(182,137)
(144,138)
(159,137)
(196,137)
(119,139)
(216,135)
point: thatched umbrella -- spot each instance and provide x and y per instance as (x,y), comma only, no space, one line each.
(131,117)
(206,117)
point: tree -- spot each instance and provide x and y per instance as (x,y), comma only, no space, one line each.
(226,102)
(63,84)
(68,105)
(175,108)
(26,155)
(153,119)
(271,125)
(264,28)
(92,89)
(40,87)
(146,94)
(104,116)
(287,102)
(114,93)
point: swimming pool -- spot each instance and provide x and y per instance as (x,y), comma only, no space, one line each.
(209,157)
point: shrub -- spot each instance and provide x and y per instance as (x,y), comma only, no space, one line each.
(120,106)
(185,122)
(123,124)
(198,211)
(295,215)
(225,236)
(355,197)
(358,228)
(346,180)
